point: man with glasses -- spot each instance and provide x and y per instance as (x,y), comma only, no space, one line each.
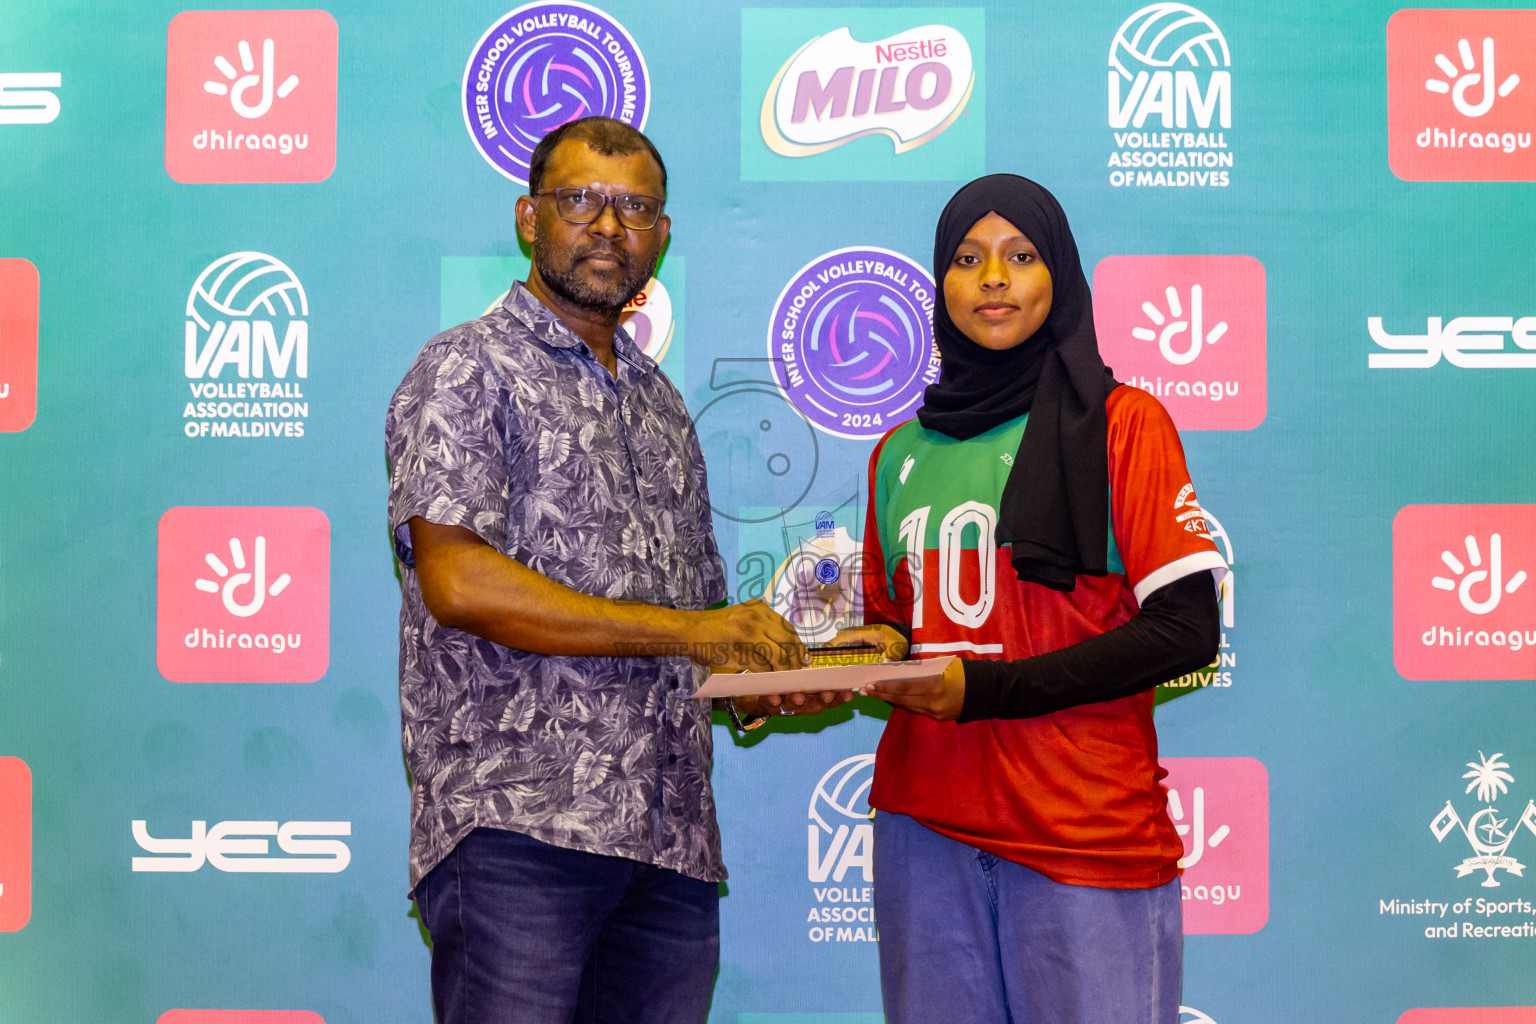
(549,508)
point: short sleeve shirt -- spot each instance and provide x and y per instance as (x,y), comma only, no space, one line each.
(1075,795)
(508,426)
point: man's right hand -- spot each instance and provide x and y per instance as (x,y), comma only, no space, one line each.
(748,637)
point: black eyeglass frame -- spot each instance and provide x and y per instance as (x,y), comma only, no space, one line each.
(606,202)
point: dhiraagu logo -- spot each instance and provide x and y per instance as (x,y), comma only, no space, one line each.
(859,94)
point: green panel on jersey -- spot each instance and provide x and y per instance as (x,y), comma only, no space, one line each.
(921,468)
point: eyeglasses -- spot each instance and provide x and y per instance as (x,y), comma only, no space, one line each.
(583,206)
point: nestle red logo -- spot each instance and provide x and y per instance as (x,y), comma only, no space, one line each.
(250,96)
(15,844)
(243,595)
(1461,95)
(18,344)
(239,1017)
(1463,606)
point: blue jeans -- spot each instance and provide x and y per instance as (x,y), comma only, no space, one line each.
(969,937)
(528,933)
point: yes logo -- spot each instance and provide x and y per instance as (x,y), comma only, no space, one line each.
(244,595)
(1220,808)
(18,344)
(1461,95)
(1461,606)
(243,847)
(15,844)
(860,94)
(26,97)
(250,96)
(1190,330)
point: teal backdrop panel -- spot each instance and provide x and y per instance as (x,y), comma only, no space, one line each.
(1308,232)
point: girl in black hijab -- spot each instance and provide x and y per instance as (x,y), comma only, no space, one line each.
(1036,521)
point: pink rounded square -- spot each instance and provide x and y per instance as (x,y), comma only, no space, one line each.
(243,595)
(15,844)
(250,96)
(239,1017)
(1471,1015)
(1220,805)
(1429,133)
(1189,329)
(1463,603)
(18,344)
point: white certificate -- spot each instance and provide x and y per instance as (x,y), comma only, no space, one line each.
(811,680)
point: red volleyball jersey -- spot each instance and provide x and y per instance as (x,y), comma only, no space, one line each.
(1075,795)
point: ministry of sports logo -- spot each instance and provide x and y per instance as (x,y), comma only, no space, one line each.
(18,344)
(246,349)
(243,595)
(852,340)
(1461,95)
(1488,832)
(1170,99)
(1461,604)
(545,64)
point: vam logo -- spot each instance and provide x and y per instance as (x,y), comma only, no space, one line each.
(18,344)
(1488,834)
(840,817)
(250,96)
(884,76)
(244,595)
(1460,98)
(1220,809)
(1460,605)
(1170,82)
(1191,330)
(15,844)
(244,380)
(1471,342)
(26,97)
(245,847)
(545,64)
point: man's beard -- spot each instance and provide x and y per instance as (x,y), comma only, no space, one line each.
(558,270)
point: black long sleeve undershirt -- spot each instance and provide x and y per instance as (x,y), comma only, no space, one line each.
(1176,631)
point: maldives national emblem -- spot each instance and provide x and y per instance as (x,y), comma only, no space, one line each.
(1486,831)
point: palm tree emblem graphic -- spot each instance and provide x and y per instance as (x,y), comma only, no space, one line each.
(1487,833)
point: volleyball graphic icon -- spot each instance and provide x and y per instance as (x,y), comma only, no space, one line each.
(243,285)
(1168,35)
(844,792)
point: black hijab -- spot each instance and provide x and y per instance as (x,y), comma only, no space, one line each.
(1055,507)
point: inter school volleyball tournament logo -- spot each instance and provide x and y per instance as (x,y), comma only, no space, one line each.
(1220,809)
(908,87)
(246,350)
(1463,606)
(852,340)
(15,844)
(1461,95)
(244,595)
(18,344)
(545,64)
(1488,831)
(1190,330)
(1170,100)
(840,843)
(250,96)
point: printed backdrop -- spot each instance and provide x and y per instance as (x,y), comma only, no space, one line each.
(225,234)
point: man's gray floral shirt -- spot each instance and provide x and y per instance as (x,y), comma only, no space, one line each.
(508,426)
